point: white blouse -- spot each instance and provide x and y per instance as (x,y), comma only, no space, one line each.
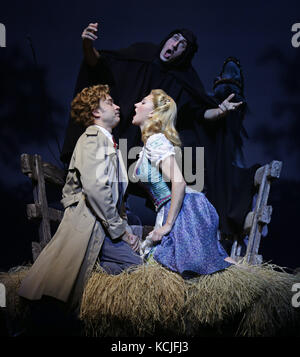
(157,148)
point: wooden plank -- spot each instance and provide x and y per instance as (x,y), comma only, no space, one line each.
(41,172)
(272,171)
(236,251)
(254,236)
(275,169)
(27,166)
(34,211)
(260,173)
(41,198)
(52,174)
(262,213)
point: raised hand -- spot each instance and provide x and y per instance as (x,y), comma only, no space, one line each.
(226,105)
(89,33)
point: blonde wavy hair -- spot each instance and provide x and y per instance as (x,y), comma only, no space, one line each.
(163,119)
(86,102)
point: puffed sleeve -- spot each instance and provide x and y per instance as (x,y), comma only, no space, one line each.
(158,147)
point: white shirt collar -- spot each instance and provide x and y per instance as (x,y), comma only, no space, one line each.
(105,132)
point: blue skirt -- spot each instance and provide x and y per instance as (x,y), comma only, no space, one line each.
(192,247)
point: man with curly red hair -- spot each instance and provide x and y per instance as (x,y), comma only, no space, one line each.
(94,225)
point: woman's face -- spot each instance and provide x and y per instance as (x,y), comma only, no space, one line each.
(143,110)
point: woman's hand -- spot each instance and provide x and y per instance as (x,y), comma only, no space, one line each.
(223,109)
(226,105)
(158,233)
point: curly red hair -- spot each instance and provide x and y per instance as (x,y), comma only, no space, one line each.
(86,102)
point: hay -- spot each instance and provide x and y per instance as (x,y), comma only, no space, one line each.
(137,302)
(17,310)
(150,300)
(218,297)
(272,313)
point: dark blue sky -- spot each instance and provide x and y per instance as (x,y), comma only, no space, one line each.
(258,33)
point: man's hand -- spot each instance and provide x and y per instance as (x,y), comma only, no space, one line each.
(132,240)
(89,33)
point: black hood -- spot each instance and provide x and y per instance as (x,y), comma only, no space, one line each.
(185,59)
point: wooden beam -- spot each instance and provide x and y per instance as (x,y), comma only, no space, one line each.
(52,174)
(40,198)
(34,211)
(271,171)
(27,166)
(262,213)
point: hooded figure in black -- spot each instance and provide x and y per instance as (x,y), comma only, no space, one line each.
(131,74)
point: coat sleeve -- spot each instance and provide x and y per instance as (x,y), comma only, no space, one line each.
(123,214)
(96,187)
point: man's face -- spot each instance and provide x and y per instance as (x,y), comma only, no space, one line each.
(173,48)
(108,112)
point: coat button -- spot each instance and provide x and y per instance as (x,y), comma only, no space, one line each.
(105,224)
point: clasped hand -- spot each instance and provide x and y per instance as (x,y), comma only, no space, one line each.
(158,233)
(132,240)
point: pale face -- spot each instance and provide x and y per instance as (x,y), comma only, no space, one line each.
(108,113)
(173,48)
(143,111)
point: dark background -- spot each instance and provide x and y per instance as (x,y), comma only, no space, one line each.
(35,98)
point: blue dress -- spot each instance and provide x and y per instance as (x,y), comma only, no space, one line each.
(192,246)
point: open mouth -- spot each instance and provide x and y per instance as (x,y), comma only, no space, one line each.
(168,53)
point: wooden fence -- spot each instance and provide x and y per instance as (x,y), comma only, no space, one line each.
(42,173)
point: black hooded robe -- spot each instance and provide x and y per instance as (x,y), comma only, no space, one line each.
(131,74)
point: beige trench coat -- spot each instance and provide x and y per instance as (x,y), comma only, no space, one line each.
(89,198)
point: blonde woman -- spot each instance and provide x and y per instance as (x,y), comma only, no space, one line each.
(185,234)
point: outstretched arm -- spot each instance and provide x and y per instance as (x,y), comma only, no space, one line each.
(222,110)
